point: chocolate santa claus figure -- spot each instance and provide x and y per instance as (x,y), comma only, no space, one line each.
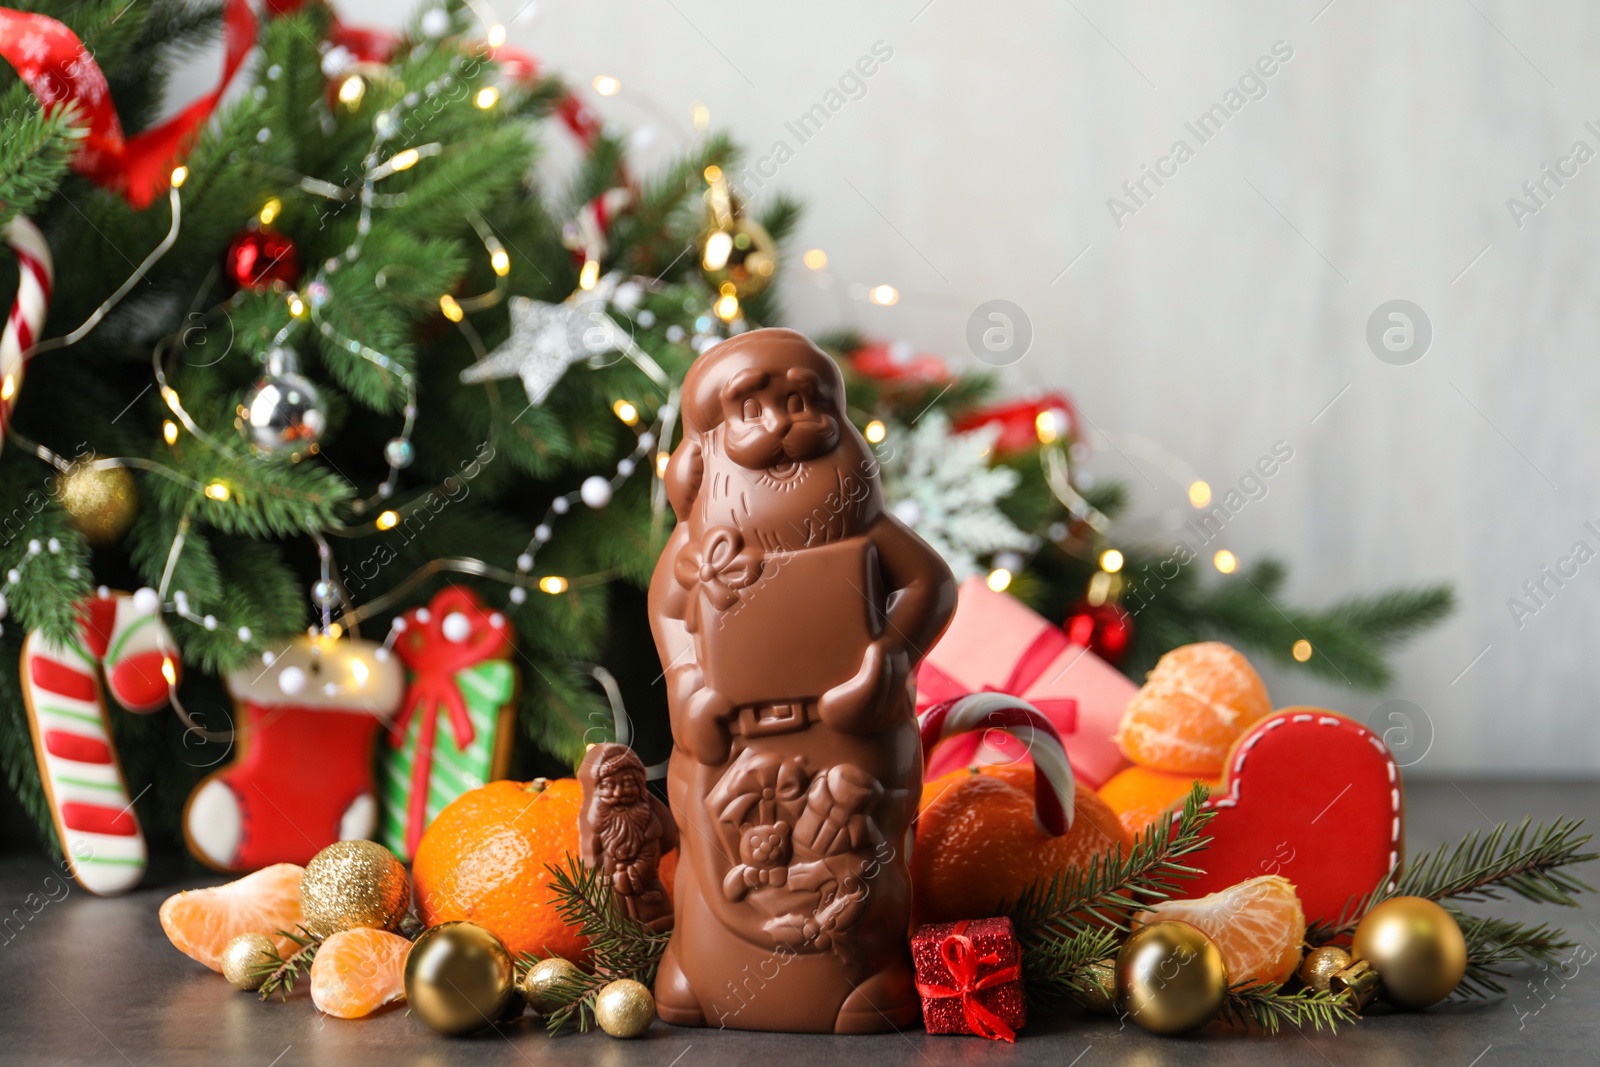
(790,609)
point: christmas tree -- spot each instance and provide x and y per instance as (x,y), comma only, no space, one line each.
(332,348)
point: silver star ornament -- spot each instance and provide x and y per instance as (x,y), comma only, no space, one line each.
(546,339)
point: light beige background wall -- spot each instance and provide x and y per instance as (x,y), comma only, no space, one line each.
(1229,311)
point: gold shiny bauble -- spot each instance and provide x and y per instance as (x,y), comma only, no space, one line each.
(541,977)
(1101,996)
(624,1008)
(245,959)
(351,884)
(1321,964)
(1416,948)
(1170,978)
(459,978)
(101,504)
(738,252)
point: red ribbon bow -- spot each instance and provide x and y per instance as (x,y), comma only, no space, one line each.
(961,957)
(53,62)
(434,658)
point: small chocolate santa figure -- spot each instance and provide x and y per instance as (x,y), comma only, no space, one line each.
(623,831)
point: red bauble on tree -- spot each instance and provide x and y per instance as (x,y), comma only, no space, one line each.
(1106,629)
(260,259)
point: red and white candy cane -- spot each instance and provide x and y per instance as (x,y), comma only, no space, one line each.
(35,275)
(1052,782)
(122,637)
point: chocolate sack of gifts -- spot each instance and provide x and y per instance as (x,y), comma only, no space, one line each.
(790,610)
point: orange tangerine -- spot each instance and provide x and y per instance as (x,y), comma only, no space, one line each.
(483,861)
(356,972)
(977,846)
(1141,797)
(201,922)
(1258,924)
(1197,702)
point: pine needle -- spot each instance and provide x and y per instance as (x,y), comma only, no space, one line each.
(1269,1008)
(281,972)
(1494,945)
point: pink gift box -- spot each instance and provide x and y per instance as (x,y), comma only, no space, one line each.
(996,642)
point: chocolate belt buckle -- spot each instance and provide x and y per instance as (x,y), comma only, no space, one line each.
(765,720)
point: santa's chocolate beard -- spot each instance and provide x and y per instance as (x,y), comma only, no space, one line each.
(622,831)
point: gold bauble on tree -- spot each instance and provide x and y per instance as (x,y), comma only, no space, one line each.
(459,978)
(247,959)
(1170,977)
(539,983)
(1417,949)
(624,1008)
(351,884)
(1100,994)
(1321,964)
(738,257)
(101,503)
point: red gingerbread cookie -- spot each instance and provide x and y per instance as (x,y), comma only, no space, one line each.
(1311,796)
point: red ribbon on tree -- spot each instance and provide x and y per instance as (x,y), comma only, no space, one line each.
(54,63)
(449,635)
(961,956)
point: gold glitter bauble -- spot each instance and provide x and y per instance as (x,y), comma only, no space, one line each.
(1416,948)
(541,976)
(245,959)
(100,504)
(1170,978)
(351,884)
(624,1008)
(1322,964)
(1100,997)
(459,978)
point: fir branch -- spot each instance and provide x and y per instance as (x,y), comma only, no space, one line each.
(1057,967)
(1269,1008)
(1494,945)
(1051,914)
(619,945)
(38,146)
(280,972)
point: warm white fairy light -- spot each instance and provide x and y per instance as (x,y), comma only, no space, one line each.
(1199,493)
(1111,561)
(179,176)
(487,98)
(387,520)
(270,210)
(589,276)
(553,584)
(351,90)
(625,411)
(451,308)
(1225,561)
(606,85)
(169,431)
(496,37)
(815,258)
(1301,650)
(884,295)
(875,431)
(218,491)
(999,579)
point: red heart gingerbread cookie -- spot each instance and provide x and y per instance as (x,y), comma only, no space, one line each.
(1311,796)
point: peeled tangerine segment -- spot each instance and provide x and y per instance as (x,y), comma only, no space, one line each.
(1258,924)
(201,922)
(356,972)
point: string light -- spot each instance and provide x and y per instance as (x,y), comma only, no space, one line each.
(1199,493)
(999,579)
(388,520)
(662,459)
(169,671)
(727,307)
(496,36)
(606,85)
(351,90)
(875,431)
(1047,426)
(712,174)
(169,431)
(297,306)
(589,275)
(452,309)
(625,411)
(1111,561)
(487,97)
(218,491)
(405,160)
(719,246)
(270,210)
(816,258)
(1301,650)
(500,261)
(8,388)
(553,584)
(179,176)
(1225,561)
(884,295)
(700,115)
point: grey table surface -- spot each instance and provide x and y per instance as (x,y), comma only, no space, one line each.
(88,980)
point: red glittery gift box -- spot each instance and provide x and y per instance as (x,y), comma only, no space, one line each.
(970,976)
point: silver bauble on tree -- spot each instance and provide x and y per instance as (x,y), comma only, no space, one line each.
(282,412)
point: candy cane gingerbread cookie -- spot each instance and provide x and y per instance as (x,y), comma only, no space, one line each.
(121,637)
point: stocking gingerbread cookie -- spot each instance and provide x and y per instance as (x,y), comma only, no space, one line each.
(121,637)
(301,777)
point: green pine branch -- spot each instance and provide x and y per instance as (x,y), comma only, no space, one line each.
(1495,945)
(278,972)
(36,148)
(1269,1008)
(619,945)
